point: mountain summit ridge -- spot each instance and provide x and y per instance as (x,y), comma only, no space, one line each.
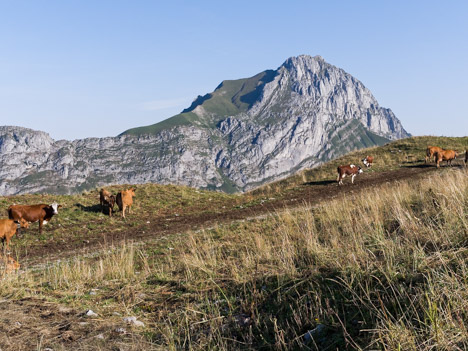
(243,134)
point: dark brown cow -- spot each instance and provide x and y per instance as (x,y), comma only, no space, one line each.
(350,170)
(41,213)
(8,228)
(446,155)
(125,200)
(368,161)
(430,152)
(107,199)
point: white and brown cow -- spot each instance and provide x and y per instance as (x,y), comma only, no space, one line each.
(41,213)
(348,170)
(368,160)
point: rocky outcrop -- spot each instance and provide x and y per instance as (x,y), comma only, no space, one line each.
(245,133)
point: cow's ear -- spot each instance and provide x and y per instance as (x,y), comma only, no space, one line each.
(59,206)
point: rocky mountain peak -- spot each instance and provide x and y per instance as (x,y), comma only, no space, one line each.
(245,133)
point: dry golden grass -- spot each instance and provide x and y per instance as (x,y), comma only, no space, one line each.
(384,269)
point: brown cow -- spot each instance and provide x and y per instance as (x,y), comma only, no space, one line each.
(368,161)
(8,228)
(107,199)
(445,155)
(125,199)
(351,170)
(41,213)
(430,152)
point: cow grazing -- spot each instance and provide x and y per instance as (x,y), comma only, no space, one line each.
(41,213)
(8,228)
(350,170)
(107,199)
(125,200)
(446,155)
(430,153)
(466,157)
(368,161)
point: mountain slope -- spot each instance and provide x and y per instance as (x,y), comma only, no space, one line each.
(244,133)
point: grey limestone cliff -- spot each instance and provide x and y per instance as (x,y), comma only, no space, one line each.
(243,134)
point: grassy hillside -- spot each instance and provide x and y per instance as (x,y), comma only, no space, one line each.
(379,269)
(408,152)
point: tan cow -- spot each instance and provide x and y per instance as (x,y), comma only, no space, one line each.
(10,264)
(445,155)
(125,200)
(430,153)
(8,228)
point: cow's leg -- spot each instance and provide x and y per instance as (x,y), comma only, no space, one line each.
(40,225)
(352,178)
(123,210)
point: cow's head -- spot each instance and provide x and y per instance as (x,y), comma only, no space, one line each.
(360,170)
(55,206)
(23,223)
(112,201)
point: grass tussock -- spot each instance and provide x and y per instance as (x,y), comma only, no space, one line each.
(383,270)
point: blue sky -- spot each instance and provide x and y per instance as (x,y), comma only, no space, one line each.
(79,69)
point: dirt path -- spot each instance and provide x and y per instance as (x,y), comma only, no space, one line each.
(156,227)
(32,323)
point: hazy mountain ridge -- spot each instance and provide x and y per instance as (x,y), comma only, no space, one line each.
(244,133)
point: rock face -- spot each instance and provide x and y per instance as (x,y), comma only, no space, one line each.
(245,133)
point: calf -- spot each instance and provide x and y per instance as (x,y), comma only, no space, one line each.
(8,228)
(10,264)
(351,170)
(125,200)
(446,155)
(107,199)
(430,152)
(368,161)
(41,213)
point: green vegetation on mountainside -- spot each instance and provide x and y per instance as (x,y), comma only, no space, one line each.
(230,98)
